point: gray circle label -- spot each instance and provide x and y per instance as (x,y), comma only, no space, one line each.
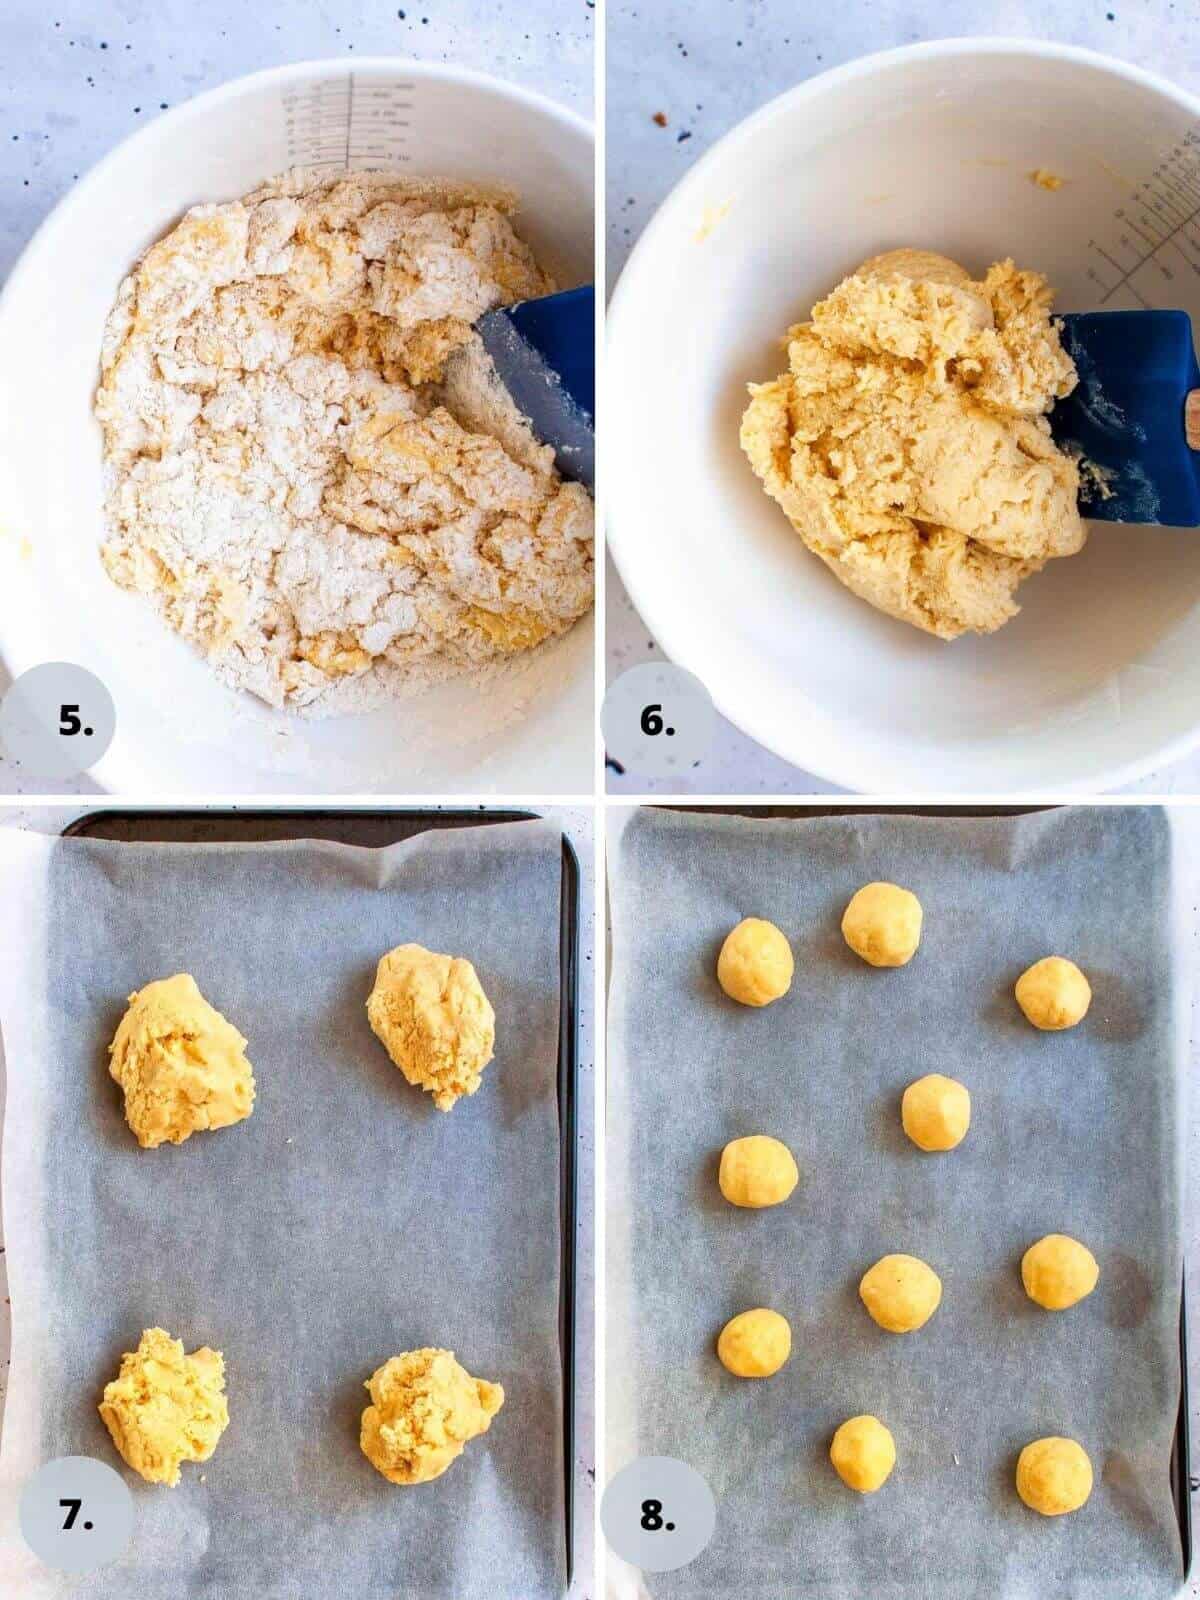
(57,720)
(76,1513)
(658,1514)
(657,720)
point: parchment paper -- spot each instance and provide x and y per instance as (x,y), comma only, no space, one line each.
(345,1221)
(1075,1132)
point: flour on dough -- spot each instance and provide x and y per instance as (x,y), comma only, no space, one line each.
(908,443)
(311,470)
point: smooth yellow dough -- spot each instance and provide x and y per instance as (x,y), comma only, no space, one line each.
(165,1407)
(1053,993)
(757,1171)
(432,1016)
(901,1293)
(1058,1272)
(755,965)
(882,924)
(936,1112)
(182,1066)
(863,1453)
(755,1344)
(425,1408)
(1054,1476)
(908,444)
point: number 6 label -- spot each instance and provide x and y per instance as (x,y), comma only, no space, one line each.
(657,720)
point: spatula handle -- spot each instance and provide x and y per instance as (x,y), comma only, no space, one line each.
(1191,419)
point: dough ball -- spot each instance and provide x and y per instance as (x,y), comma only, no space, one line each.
(165,1407)
(882,924)
(755,1344)
(1054,994)
(433,1018)
(1058,1272)
(757,1171)
(901,1293)
(863,1453)
(182,1066)
(1054,1476)
(936,1112)
(425,1408)
(755,965)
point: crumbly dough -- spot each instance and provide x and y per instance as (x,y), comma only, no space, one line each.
(425,1408)
(935,1112)
(908,446)
(165,1407)
(1054,994)
(1058,1272)
(182,1066)
(863,1453)
(755,965)
(1054,1476)
(882,924)
(432,1016)
(312,471)
(757,1171)
(901,1293)
(755,1344)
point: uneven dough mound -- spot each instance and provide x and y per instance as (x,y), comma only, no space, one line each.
(182,1066)
(755,965)
(425,1408)
(312,471)
(863,1453)
(432,1016)
(165,1407)
(1054,994)
(755,1344)
(908,446)
(1054,1476)
(757,1171)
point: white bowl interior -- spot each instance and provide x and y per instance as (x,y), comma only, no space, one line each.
(178,729)
(1101,670)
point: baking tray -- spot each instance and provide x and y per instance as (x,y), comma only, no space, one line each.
(1181,1452)
(374,829)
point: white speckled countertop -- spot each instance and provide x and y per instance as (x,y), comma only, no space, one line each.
(577,824)
(78,76)
(707,66)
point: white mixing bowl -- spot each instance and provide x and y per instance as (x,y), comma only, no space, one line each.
(178,729)
(1098,679)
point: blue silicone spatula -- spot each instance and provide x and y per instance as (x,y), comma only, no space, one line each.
(544,352)
(1134,415)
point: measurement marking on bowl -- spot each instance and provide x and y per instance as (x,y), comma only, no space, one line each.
(1157,238)
(348,123)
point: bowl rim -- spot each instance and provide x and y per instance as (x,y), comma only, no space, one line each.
(839,763)
(120,770)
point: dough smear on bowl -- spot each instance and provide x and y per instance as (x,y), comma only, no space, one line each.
(312,470)
(908,442)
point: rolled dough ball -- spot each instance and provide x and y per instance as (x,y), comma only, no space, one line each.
(182,1066)
(425,1408)
(757,1171)
(1054,1476)
(882,924)
(936,1112)
(863,1453)
(432,1016)
(755,965)
(1054,994)
(1058,1272)
(755,1344)
(901,1293)
(164,1407)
